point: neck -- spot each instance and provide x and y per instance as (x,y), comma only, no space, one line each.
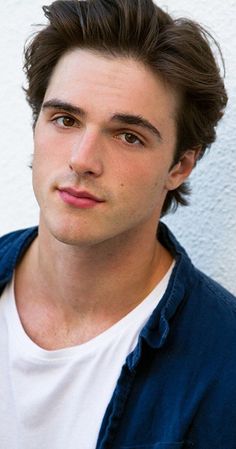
(89,287)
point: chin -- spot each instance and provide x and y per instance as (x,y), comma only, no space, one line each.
(75,236)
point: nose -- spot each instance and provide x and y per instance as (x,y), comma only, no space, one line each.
(86,154)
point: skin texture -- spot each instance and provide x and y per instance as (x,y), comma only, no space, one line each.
(132,179)
(102,257)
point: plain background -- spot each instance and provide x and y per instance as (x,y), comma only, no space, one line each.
(207,228)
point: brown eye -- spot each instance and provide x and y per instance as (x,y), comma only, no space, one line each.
(131,138)
(68,121)
(65,121)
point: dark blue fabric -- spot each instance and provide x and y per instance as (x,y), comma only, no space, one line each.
(178,387)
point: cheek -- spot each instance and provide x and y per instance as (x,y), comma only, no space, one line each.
(48,155)
(146,175)
(45,164)
(47,144)
(143,184)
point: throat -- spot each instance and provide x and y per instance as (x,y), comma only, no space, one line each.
(58,310)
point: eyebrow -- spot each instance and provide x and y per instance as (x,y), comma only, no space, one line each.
(125,119)
(138,120)
(68,107)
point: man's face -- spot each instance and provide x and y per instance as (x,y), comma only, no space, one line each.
(104,145)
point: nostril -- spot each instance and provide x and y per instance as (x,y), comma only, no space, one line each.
(79,171)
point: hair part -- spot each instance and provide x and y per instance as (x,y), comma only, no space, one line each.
(178,50)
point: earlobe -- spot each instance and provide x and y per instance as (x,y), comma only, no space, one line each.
(182,169)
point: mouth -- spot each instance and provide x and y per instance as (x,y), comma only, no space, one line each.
(80,199)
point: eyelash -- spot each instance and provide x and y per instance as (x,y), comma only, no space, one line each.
(124,133)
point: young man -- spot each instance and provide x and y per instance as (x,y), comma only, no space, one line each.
(110,337)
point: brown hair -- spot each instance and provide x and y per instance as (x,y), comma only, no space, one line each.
(176,49)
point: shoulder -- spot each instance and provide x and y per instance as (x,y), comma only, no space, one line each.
(211,296)
(204,306)
(209,322)
(9,239)
(12,246)
(16,239)
(210,341)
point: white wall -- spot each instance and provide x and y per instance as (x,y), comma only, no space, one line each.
(208,227)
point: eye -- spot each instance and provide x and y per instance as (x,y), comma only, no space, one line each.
(131,139)
(65,121)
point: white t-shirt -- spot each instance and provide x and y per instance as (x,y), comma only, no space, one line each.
(57,399)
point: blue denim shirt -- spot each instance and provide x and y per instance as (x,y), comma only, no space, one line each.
(177,388)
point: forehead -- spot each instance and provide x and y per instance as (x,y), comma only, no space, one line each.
(111,84)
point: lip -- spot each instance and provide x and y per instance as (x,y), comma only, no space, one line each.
(79,198)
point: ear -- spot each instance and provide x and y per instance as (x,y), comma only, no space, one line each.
(182,169)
